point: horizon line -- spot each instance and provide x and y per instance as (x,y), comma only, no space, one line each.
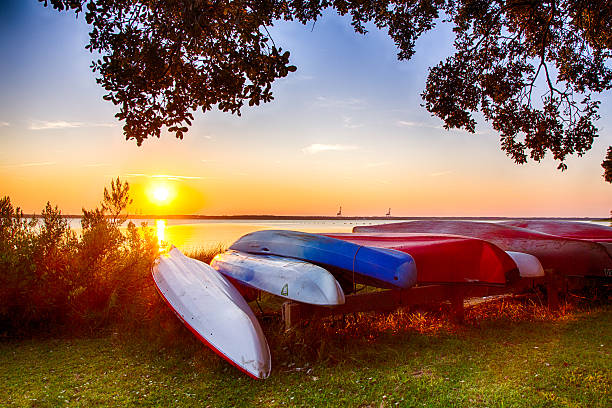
(333,217)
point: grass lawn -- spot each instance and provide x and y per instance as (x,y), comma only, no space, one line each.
(499,358)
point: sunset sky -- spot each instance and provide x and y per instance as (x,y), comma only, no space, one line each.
(346,129)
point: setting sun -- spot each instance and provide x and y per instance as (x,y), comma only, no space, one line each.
(161,194)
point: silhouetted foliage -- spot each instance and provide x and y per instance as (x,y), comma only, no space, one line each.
(17,269)
(607,165)
(530,67)
(505,51)
(50,277)
(116,201)
(162,60)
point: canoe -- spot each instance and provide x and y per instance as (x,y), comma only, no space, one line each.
(348,262)
(446,259)
(286,277)
(570,257)
(214,311)
(529,266)
(566,229)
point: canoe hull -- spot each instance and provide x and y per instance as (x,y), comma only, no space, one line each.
(446,259)
(286,277)
(529,266)
(566,256)
(348,262)
(566,229)
(214,311)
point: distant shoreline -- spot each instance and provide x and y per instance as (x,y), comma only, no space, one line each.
(327,218)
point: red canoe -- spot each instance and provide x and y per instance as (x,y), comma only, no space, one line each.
(566,229)
(446,259)
(569,257)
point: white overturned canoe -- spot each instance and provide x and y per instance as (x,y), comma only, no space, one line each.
(528,265)
(214,311)
(286,277)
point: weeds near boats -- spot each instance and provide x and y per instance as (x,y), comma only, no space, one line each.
(206,254)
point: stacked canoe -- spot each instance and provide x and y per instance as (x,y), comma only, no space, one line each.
(320,268)
(565,254)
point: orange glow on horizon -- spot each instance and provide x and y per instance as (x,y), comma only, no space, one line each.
(161,197)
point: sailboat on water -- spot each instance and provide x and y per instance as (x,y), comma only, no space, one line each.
(339,212)
(388,214)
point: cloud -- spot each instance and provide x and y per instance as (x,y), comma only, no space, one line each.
(440,173)
(176,177)
(33,164)
(164,176)
(318,148)
(295,78)
(376,164)
(348,103)
(97,165)
(348,123)
(4,124)
(405,123)
(302,77)
(62,124)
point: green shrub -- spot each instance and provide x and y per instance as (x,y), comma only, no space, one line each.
(17,269)
(51,278)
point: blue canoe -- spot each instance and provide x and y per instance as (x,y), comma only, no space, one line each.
(385,268)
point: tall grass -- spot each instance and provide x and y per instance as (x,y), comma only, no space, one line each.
(206,254)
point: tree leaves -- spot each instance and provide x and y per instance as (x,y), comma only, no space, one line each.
(162,60)
(507,56)
(529,67)
(607,165)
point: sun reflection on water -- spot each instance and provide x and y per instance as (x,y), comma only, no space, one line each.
(160,229)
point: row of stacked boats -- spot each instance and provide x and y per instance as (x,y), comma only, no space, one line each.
(321,268)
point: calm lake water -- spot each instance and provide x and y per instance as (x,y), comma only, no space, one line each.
(188,234)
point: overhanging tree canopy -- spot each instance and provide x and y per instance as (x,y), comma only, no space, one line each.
(530,67)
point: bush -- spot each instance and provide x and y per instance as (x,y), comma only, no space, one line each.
(51,278)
